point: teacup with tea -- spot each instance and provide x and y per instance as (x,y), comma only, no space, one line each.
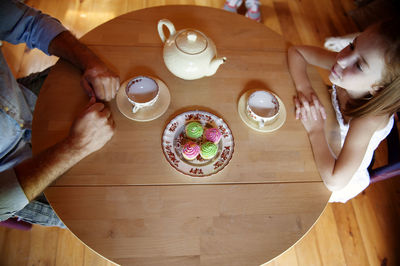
(142,92)
(262,107)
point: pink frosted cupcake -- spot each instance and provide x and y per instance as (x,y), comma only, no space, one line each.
(190,150)
(213,135)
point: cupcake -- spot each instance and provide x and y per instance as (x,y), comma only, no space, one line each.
(208,150)
(190,150)
(194,130)
(213,135)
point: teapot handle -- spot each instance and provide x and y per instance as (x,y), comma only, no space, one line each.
(170,27)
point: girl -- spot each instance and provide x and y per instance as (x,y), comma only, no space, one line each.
(366,93)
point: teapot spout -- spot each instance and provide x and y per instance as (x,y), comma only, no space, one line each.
(214,65)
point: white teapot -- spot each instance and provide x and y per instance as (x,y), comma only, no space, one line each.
(188,53)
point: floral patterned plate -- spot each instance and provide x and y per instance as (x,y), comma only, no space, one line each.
(174,138)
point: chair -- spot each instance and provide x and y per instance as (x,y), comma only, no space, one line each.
(16,224)
(392,169)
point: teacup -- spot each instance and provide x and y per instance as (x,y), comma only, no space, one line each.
(142,92)
(262,107)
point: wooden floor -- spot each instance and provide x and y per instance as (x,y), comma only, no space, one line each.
(364,231)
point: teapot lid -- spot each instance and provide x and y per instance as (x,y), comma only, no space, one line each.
(191,41)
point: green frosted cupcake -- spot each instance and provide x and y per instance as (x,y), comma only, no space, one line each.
(208,150)
(194,130)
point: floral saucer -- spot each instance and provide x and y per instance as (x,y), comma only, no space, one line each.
(174,138)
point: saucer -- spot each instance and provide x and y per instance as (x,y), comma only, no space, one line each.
(280,120)
(147,113)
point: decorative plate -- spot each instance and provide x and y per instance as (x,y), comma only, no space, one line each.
(174,138)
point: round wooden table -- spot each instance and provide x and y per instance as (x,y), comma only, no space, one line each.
(126,201)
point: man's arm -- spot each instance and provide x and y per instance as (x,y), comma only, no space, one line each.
(97,78)
(90,132)
(20,23)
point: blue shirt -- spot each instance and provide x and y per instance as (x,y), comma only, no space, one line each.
(18,24)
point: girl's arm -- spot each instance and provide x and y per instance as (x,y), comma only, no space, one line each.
(354,148)
(337,172)
(299,57)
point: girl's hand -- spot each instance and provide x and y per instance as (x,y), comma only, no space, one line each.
(311,113)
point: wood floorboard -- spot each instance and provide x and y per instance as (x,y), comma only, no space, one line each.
(364,231)
(289,30)
(328,239)
(307,250)
(349,234)
(43,246)
(287,258)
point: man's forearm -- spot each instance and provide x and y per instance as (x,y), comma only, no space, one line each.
(91,130)
(66,46)
(38,172)
(97,78)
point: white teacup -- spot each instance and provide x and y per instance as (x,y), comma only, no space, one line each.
(141,92)
(262,107)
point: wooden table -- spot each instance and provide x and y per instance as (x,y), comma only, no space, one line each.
(131,206)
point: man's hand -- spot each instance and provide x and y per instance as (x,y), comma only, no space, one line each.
(100,81)
(92,129)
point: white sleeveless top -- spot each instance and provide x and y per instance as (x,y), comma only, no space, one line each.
(360,179)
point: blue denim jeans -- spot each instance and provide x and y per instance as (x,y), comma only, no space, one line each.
(39,212)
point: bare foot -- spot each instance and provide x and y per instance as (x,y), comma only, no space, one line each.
(337,44)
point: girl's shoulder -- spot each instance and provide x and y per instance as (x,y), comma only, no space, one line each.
(363,129)
(370,123)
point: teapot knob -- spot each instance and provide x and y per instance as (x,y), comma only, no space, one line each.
(192,37)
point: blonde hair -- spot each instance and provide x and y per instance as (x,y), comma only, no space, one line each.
(387,99)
